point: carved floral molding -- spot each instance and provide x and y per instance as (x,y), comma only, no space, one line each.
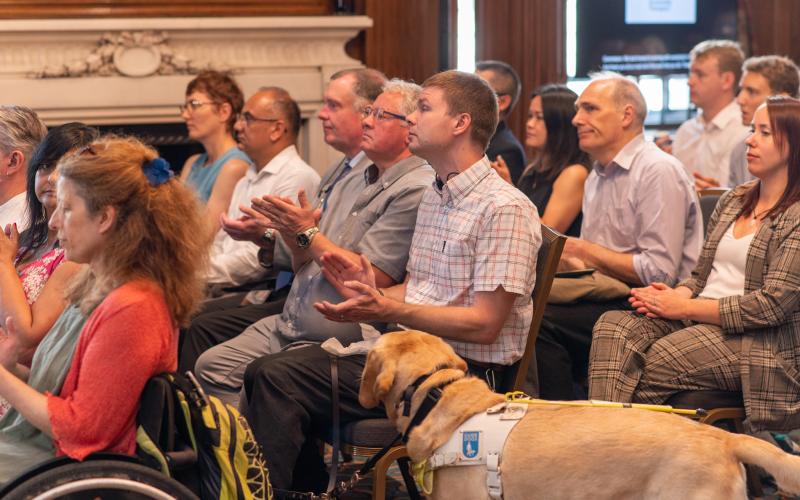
(134,54)
(135,70)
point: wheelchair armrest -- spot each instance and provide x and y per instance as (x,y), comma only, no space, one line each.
(182,459)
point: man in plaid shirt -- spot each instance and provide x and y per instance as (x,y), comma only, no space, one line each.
(471,271)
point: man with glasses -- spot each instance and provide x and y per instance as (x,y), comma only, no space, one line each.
(266,130)
(375,217)
(344,98)
(471,271)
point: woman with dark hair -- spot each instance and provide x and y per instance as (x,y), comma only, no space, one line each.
(140,233)
(734,325)
(213,101)
(554,181)
(33,274)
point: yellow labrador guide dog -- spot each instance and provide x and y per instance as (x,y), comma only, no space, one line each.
(558,452)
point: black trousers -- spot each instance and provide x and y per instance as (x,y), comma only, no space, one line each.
(563,345)
(221,320)
(289,402)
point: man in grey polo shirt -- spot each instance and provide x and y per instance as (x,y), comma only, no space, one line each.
(378,224)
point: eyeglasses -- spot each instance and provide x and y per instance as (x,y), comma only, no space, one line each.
(248,118)
(381,114)
(193,105)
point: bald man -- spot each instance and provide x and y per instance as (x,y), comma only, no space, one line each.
(641,224)
(266,130)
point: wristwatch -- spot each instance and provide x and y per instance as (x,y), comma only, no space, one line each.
(303,239)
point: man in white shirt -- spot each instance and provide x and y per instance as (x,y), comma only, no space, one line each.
(267,131)
(21,131)
(704,143)
(761,77)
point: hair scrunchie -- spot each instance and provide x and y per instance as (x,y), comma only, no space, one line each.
(157,171)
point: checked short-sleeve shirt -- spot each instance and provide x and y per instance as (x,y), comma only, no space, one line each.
(475,234)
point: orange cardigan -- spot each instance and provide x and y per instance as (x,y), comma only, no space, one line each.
(127,339)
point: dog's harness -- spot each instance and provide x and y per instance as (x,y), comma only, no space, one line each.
(478,441)
(428,403)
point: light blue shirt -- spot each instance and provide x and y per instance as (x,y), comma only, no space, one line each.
(202,177)
(643,203)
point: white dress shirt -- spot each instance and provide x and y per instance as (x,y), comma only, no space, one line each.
(13,212)
(236,262)
(705,147)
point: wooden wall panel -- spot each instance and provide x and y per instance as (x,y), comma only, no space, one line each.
(770,27)
(404,41)
(528,35)
(32,9)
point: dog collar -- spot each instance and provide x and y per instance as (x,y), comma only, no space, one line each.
(428,403)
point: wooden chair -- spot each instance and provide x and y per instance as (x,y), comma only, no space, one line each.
(708,202)
(367,437)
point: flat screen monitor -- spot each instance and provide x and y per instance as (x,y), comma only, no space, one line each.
(647,37)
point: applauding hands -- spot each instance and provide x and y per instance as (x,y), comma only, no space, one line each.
(356,283)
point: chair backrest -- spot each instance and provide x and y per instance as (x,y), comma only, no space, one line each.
(546,266)
(708,202)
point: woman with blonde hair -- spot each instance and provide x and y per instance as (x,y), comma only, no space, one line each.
(139,231)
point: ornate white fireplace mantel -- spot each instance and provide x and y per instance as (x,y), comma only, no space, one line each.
(134,71)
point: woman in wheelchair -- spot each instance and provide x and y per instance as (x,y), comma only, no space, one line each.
(734,324)
(139,230)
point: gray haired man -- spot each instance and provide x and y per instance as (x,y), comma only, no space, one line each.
(21,131)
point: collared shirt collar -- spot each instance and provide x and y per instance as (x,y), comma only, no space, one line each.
(729,113)
(458,187)
(356,160)
(624,158)
(394,172)
(276,163)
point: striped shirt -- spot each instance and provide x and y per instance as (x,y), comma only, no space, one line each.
(475,234)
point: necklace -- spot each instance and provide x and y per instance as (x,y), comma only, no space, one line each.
(757,216)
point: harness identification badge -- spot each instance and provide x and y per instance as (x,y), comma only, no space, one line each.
(514,411)
(470,445)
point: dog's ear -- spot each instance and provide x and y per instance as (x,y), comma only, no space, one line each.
(366,394)
(377,379)
(385,379)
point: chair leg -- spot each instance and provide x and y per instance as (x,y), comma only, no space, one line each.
(380,470)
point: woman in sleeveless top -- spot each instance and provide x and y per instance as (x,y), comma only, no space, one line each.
(734,325)
(554,180)
(33,274)
(213,101)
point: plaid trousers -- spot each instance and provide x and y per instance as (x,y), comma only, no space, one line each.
(642,360)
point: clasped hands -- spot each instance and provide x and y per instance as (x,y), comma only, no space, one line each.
(356,283)
(660,301)
(271,212)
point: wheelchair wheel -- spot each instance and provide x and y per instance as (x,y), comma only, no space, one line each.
(101,479)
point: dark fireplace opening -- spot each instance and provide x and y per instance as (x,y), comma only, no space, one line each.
(170,139)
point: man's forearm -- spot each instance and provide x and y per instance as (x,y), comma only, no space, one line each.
(464,324)
(615,264)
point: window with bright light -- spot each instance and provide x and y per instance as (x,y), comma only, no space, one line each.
(465,40)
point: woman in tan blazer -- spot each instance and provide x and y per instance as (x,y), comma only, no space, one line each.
(734,325)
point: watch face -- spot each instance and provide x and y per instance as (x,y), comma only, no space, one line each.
(303,240)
